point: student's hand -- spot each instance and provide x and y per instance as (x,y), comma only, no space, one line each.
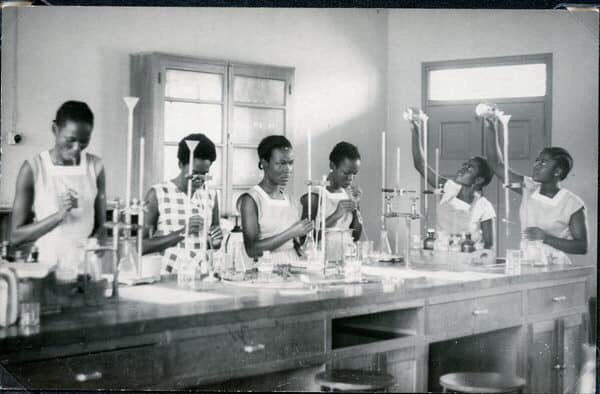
(66,202)
(345,206)
(301,227)
(196,224)
(197,180)
(414,126)
(535,234)
(216,236)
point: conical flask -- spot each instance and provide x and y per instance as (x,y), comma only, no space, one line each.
(384,247)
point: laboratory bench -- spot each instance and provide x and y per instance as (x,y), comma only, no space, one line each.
(416,325)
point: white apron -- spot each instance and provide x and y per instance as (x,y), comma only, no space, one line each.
(64,244)
(274,217)
(334,239)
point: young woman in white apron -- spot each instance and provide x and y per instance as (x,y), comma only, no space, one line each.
(270,221)
(463,208)
(548,212)
(341,199)
(60,194)
(167,209)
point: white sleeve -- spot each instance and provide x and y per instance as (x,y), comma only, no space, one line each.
(485,210)
(529,185)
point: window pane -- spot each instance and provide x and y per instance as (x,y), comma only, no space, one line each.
(194,85)
(245,167)
(259,91)
(171,165)
(525,80)
(250,125)
(182,119)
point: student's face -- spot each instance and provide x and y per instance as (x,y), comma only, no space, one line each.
(200,167)
(280,167)
(343,174)
(544,168)
(71,139)
(468,174)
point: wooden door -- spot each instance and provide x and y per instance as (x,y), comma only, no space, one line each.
(542,357)
(458,133)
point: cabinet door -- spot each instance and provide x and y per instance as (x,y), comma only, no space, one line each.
(554,361)
(541,376)
(570,336)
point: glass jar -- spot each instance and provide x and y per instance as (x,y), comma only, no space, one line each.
(428,243)
(467,246)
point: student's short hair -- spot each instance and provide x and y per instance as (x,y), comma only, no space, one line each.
(343,150)
(485,171)
(205,150)
(270,143)
(563,159)
(75,111)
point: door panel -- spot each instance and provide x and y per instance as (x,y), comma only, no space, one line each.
(458,133)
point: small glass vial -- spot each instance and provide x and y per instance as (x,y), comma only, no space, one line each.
(265,267)
(34,254)
(428,243)
(467,246)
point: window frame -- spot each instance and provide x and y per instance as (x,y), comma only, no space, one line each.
(148,81)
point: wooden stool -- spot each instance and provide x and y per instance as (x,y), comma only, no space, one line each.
(353,380)
(482,382)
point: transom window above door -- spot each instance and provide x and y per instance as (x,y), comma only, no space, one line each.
(488,82)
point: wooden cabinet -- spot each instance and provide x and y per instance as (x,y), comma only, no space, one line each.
(239,350)
(137,367)
(556,299)
(554,358)
(466,316)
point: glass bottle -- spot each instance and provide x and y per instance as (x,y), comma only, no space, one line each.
(455,243)
(265,267)
(467,246)
(428,243)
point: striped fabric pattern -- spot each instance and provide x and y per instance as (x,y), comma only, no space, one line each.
(173,212)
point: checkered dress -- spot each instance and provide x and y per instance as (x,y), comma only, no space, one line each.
(173,213)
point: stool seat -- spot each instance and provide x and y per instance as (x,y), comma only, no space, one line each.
(353,380)
(478,382)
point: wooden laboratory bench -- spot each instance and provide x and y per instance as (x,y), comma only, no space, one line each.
(230,337)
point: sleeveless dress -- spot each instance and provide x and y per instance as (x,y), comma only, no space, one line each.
(334,239)
(173,212)
(550,214)
(64,244)
(274,217)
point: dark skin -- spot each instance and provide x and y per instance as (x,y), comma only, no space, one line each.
(162,242)
(548,173)
(467,177)
(340,178)
(276,173)
(70,140)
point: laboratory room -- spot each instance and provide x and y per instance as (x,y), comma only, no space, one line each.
(278,199)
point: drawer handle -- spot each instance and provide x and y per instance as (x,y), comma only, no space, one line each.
(478,312)
(86,377)
(559,299)
(559,366)
(254,348)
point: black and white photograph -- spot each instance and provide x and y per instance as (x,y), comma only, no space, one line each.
(257,198)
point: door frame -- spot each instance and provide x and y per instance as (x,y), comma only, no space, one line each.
(546,58)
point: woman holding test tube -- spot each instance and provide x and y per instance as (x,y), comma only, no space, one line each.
(167,208)
(270,221)
(342,196)
(60,194)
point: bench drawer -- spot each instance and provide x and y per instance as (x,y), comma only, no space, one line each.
(555,299)
(475,314)
(237,347)
(136,367)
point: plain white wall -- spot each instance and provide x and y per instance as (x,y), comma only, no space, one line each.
(82,53)
(417,36)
